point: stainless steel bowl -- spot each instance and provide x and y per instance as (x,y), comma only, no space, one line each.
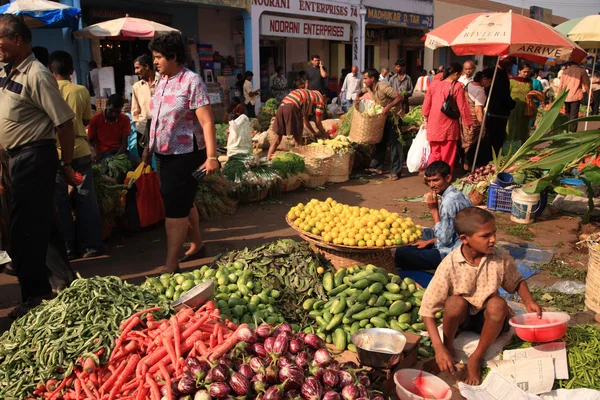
(379,347)
(196,296)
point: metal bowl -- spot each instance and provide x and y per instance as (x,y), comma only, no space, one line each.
(379,347)
(196,296)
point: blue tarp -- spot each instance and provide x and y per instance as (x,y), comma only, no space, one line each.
(525,255)
(53,17)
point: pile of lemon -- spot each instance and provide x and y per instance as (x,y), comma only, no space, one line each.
(353,226)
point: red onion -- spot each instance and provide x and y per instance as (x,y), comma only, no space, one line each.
(296,345)
(323,357)
(293,375)
(312,389)
(313,341)
(330,378)
(263,331)
(219,390)
(239,384)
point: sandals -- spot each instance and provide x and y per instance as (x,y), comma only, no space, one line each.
(194,256)
(394,177)
(374,171)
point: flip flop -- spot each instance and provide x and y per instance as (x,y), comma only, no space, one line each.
(194,256)
(374,171)
(394,177)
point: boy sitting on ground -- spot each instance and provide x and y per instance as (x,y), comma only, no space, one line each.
(436,243)
(465,286)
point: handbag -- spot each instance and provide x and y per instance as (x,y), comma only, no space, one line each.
(449,107)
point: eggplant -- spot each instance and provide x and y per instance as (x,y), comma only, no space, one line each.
(293,395)
(281,344)
(269,342)
(346,378)
(257,365)
(285,328)
(259,383)
(187,383)
(292,375)
(272,373)
(377,397)
(312,389)
(334,364)
(330,378)
(302,359)
(226,361)
(246,371)
(274,393)
(259,350)
(362,391)
(202,395)
(364,379)
(332,395)
(219,390)
(296,345)
(313,341)
(220,373)
(245,334)
(301,335)
(283,361)
(350,392)
(263,331)
(239,383)
(323,357)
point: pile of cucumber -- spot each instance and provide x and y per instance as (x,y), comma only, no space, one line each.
(362,298)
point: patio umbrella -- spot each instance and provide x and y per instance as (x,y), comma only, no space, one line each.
(127,27)
(44,14)
(586,32)
(503,34)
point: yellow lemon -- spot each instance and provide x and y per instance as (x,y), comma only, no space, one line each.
(380,243)
(370,243)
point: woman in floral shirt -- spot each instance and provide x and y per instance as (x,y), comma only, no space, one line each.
(182,136)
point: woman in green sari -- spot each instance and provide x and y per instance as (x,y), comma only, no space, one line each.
(518,122)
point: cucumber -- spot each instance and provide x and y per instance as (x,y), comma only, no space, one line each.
(338,278)
(340,339)
(415,315)
(405,318)
(395,279)
(439,314)
(418,326)
(397,308)
(423,352)
(315,313)
(363,323)
(372,300)
(335,321)
(366,314)
(328,339)
(347,320)
(322,323)
(392,287)
(327,316)
(358,276)
(308,304)
(395,325)
(382,315)
(369,326)
(408,281)
(322,335)
(364,296)
(378,277)
(352,348)
(318,304)
(346,328)
(355,327)
(329,303)
(338,307)
(381,301)
(393,296)
(404,326)
(412,288)
(356,308)
(376,288)
(337,290)
(379,322)
(418,301)
(419,293)
(328,282)
(334,304)
(362,284)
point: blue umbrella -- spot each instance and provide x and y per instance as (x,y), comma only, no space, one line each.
(44,14)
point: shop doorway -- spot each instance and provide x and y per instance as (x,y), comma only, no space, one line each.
(412,62)
(272,55)
(370,56)
(120,55)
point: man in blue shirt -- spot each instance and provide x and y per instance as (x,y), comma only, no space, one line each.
(436,243)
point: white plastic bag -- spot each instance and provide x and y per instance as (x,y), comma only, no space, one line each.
(239,140)
(419,151)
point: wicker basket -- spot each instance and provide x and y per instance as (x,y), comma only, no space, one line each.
(318,161)
(592,281)
(341,167)
(291,183)
(346,258)
(366,129)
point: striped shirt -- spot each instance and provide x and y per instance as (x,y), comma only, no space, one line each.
(308,101)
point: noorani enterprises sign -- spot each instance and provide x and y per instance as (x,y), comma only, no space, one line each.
(272,25)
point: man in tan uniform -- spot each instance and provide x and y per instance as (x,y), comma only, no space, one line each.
(32,114)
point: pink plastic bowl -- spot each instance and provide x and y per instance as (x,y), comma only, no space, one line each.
(552,326)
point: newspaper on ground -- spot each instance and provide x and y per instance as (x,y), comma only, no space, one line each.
(494,387)
(557,351)
(532,375)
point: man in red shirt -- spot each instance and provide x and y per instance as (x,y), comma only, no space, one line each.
(108,131)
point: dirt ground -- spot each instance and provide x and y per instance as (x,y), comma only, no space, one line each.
(133,256)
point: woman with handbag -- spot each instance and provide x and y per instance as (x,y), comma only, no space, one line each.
(183,138)
(446,103)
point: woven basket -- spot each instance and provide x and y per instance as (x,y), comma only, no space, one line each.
(366,129)
(341,167)
(347,258)
(318,161)
(592,281)
(291,183)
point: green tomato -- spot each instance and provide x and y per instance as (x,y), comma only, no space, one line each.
(275,294)
(187,285)
(169,293)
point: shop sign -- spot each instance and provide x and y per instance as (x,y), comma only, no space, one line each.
(272,25)
(404,33)
(400,18)
(372,36)
(322,9)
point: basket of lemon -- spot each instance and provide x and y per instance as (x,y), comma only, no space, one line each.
(343,157)
(351,235)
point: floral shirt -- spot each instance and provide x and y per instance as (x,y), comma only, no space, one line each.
(174,123)
(452,201)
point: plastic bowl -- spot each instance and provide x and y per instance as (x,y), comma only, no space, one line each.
(197,296)
(435,388)
(379,347)
(552,326)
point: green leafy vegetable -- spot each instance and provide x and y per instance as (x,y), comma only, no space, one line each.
(288,164)
(118,166)
(221,130)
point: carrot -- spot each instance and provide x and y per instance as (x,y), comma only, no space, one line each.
(201,348)
(143,390)
(130,385)
(177,337)
(113,378)
(89,365)
(77,389)
(167,378)
(58,389)
(213,341)
(85,388)
(170,350)
(220,336)
(94,379)
(154,392)
(231,325)
(51,385)
(137,314)
(132,322)
(124,376)
(226,346)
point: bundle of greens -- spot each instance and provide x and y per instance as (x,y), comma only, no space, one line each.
(221,130)
(212,198)
(270,107)
(414,117)
(267,112)
(118,166)
(288,164)
(250,178)
(344,128)
(108,194)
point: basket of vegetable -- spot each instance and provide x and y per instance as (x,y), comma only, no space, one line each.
(291,168)
(318,161)
(212,198)
(343,158)
(368,123)
(251,180)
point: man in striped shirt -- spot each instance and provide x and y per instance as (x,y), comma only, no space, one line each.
(293,114)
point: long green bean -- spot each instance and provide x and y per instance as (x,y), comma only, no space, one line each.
(46,343)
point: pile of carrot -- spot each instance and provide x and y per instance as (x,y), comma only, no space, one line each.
(147,355)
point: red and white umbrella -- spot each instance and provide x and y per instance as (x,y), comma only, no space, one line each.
(501,34)
(127,27)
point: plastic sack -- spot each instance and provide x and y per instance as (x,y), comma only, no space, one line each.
(239,140)
(334,108)
(419,151)
(569,287)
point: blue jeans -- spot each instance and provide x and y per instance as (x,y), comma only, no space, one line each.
(85,234)
(412,258)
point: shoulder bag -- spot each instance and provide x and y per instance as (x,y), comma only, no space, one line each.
(449,107)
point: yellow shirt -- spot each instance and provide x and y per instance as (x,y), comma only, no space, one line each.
(141,95)
(78,98)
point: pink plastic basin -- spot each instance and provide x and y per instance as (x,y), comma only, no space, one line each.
(552,326)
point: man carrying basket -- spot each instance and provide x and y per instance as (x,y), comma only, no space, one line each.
(385,96)
(293,114)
